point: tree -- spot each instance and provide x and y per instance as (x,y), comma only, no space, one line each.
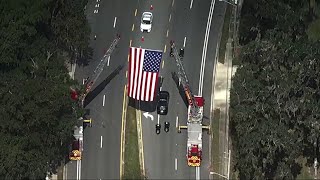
(274,107)
(37,113)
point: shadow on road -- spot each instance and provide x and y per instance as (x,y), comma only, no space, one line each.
(92,94)
(180,88)
(146,106)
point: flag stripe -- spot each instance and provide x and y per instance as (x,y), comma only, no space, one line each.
(140,75)
(154,79)
(143,91)
(132,71)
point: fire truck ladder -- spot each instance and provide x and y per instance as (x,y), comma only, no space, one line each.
(96,73)
(196,117)
(185,83)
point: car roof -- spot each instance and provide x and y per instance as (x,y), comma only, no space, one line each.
(146,15)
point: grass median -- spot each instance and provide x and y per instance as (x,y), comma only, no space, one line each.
(131,168)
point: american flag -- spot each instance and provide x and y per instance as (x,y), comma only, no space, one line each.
(144,66)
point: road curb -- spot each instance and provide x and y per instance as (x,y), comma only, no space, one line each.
(123,132)
(140,143)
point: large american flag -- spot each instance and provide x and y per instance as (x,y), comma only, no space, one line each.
(143,70)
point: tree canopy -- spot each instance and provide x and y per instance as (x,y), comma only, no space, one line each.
(275,94)
(37,114)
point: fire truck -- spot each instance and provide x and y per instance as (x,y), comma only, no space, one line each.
(195,114)
(77,144)
(75,153)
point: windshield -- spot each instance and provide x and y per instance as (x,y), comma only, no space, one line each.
(146,22)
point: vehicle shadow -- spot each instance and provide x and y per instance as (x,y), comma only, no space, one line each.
(180,88)
(92,94)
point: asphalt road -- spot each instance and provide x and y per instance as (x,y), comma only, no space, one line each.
(101,156)
(165,153)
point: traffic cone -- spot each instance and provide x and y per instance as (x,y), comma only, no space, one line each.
(142,39)
(151,7)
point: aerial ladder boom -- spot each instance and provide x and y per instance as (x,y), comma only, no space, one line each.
(96,73)
(185,83)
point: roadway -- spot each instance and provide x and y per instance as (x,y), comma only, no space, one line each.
(186,22)
(102,141)
(165,153)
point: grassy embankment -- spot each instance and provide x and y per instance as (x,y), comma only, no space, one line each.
(131,155)
(215,161)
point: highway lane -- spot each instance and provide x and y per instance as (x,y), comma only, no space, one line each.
(102,141)
(165,153)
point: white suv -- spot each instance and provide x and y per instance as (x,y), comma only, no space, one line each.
(146,22)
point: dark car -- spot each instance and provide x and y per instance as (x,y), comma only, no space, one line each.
(163,102)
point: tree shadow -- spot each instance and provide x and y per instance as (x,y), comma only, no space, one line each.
(85,57)
(180,88)
(92,94)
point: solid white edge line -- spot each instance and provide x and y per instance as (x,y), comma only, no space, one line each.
(184,41)
(103,100)
(205,46)
(114,22)
(101,141)
(79,169)
(176,164)
(191,4)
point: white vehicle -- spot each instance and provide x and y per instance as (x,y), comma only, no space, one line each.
(146,22)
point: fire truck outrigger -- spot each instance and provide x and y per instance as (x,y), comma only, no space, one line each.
(195,115)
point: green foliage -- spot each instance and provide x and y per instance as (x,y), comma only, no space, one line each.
(275,95)
(314,31)
(37,113)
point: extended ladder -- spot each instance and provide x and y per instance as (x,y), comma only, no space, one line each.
(96,73)
(185,83)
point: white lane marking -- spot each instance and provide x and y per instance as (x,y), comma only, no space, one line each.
(165,48)
(167,33)
(179,81)
(158,119)
(205,46)
(97,5)
(114,22)
(197,173)
(172,3)
(83,80)
(103,100)
(191,4)
(184,41)
(101,141)
(80,169)
(108,61)
(162,64)
(177,121)
(160,88)
(170,18)
(176,164)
